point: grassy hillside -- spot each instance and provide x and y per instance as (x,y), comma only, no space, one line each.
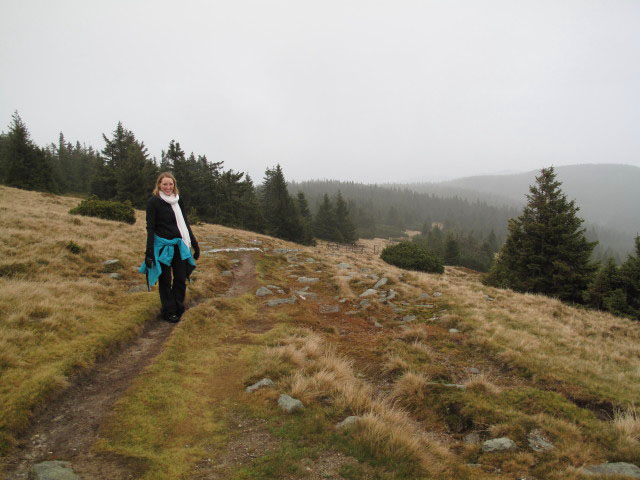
(431,374)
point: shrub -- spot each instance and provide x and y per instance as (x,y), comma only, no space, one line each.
(412,257)
(73,247)
(109,210)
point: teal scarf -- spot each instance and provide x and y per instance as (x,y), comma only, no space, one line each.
(163,253)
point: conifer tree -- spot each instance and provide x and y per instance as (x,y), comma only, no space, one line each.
(25,165)
(282,218)
(343,220)
(630,276)
(451,250)
(325,223)
(546,250)
(306,218)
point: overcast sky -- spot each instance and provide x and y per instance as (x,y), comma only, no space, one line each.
(365,90)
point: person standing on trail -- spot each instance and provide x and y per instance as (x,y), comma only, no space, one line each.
(169,243)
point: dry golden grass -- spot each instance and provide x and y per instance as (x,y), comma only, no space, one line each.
(627,422)
(383,427)
(482,382)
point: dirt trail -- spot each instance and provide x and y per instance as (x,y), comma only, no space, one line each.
(67,428)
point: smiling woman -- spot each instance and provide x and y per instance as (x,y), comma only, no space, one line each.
(169,243)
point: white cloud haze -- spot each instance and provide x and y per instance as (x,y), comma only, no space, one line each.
(373,91)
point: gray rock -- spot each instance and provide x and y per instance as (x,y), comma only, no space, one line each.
(422,296)
(409,318)
(311,260)
(263,292)
(137,288)
(289,404)
(281,292)
(344,265)
(235,261)
(472,438)
(498,445)
(342,300)
(454,330)
(373,276)
(227,273)
(53,470)
(365,303)
(473,370)
(391,296)
(616,468)
(280,301)
(351,312)
(538,442)
(437,294)
(448,385)
(377,324)
(369,292)
(425,305)
(329,308)
(284,250)
(308,279)
(106,263)
(265,382)
(115,276)
(347,422)
(383,281)
(306,295)
(488,298)
(273,287)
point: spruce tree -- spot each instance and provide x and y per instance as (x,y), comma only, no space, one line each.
(546,250)
(343,221)
(325,223)
(25,165)
(282,218)
(307,219)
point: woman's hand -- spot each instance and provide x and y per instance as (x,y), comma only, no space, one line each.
(196,251)
(148,262)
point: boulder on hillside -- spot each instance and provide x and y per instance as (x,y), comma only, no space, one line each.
(616,468)
(498,445)
(53,470)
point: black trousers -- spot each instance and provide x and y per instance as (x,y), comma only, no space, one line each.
(172,294)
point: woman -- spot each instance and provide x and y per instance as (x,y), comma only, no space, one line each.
(169,243)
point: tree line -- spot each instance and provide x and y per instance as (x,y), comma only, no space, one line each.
(123,171)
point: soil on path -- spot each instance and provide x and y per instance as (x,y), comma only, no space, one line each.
(67,428)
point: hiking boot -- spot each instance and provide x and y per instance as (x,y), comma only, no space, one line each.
(173,318)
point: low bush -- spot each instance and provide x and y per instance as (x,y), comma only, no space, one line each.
(109,210)
(412,257)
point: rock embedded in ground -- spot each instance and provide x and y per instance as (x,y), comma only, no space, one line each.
(235,261)
(368,292)
(281,301)
(426,305)
(472,438)
(308,279)
(306,295)
(284,250)
(409,318)
(53,470)
(115,276)
(383,281)
(473,370)
(615,468)
(422,296)
(329,309)
(498,445)
(454,330)
(227,273)
(265,382)
(263,292)
(137,288)
(347,422)
(538,442)
(344,266)
(365,303)
(289,404)
(437,294)
(377,324)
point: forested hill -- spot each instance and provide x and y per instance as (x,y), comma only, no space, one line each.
(607,195)
(375,207)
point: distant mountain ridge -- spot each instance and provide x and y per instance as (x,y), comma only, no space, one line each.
(607,194)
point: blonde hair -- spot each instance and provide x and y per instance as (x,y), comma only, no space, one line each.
(156,190)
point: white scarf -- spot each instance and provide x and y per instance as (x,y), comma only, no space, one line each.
(182,226)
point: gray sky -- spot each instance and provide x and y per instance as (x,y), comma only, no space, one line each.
(365,90)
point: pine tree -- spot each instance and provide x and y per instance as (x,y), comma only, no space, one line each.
(325,223)
(26,165)
(282,218)
(630,276)
(307,219)
(451,250)
(546,250)
(344,223)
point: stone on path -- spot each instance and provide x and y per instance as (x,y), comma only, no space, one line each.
(538,442)
(289,404)
(329,308)
(308,279)
(381,282)
(265,382)
(369,292)
(280,301)
(616,468)
(137,288)
(498,445)
(263,292)
(53,470)
(227,273)
(347,422)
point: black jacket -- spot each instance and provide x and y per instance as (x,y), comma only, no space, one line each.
(161,221)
